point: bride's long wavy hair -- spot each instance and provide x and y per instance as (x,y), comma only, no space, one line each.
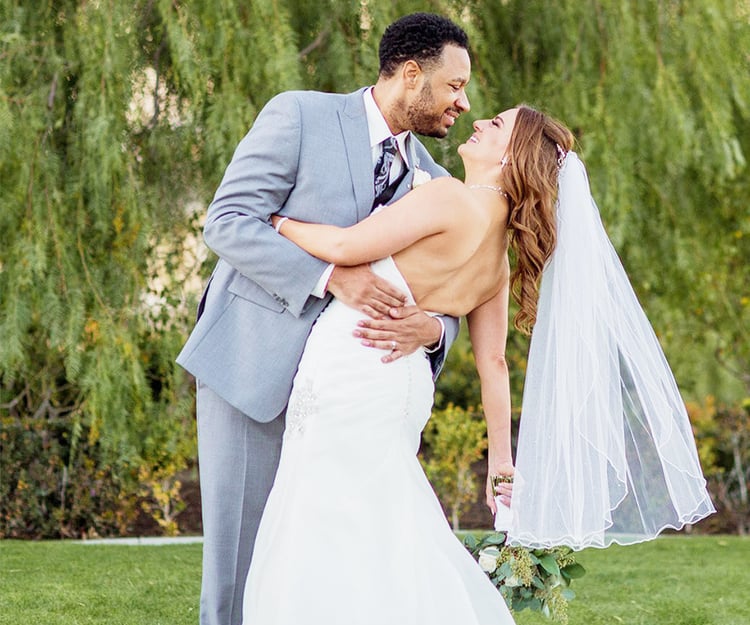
(529,177)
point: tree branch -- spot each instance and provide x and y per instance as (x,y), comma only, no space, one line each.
(316,43)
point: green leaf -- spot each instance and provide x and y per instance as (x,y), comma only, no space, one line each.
(505,570)
(568,594)
(574,571)
(549,564)
(498,538)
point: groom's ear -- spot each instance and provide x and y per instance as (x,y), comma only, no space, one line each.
(412,74)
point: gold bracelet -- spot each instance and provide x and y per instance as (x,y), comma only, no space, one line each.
(501,479)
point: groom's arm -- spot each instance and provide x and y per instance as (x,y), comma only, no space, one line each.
(256,184)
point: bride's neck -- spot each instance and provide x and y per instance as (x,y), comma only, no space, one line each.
(477,175)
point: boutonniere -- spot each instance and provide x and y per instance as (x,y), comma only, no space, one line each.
(420,177)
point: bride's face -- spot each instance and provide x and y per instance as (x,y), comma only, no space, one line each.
(492,136)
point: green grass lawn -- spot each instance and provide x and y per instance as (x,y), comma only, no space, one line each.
(676,580)
(69,583)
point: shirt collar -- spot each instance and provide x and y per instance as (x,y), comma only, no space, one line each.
(378,127)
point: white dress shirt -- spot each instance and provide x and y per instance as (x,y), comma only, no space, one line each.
(379,132)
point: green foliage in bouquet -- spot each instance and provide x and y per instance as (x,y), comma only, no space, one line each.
(537,579)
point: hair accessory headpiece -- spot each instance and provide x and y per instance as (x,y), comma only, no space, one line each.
(561,154)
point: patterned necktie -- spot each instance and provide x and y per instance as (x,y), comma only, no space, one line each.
(383,167)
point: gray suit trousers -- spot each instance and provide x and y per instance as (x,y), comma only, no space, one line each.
(237,457)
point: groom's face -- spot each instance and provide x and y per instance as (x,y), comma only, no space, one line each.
(442,97)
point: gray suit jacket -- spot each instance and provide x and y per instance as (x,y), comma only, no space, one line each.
(307,156)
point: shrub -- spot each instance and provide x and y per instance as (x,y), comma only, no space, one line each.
(723,439)
(52,484)
(457,439)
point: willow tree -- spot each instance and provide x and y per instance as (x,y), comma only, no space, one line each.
(658,92)
(118,118)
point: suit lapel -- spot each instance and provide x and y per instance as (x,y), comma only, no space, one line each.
(353,120)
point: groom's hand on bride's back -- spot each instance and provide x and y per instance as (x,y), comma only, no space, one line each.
(359,288)
(398,329)
(400,334)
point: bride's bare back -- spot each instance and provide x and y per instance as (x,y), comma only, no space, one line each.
(448,240)
(455,271)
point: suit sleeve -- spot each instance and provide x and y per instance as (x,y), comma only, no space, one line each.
(256,184)
(437,358)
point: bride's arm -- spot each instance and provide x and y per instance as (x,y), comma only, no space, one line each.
(428,210)
(488,330)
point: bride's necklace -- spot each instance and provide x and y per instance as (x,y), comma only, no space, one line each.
(489,187)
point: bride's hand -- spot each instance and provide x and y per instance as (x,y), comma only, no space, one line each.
(504,488)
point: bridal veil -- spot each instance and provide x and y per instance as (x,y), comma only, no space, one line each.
(605,451)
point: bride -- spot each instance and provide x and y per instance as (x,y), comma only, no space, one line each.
(352,532)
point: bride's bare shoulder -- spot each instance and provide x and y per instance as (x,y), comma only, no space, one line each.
(445,184)
(435,200)
(445,191)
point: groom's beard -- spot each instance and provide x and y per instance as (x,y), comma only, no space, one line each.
(423,116)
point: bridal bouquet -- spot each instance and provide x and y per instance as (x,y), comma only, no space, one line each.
(538,579)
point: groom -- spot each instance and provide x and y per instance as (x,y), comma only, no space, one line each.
(314,157)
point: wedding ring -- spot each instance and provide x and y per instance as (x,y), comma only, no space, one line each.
(393,346)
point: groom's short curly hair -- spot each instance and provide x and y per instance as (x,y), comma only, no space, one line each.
(420,37)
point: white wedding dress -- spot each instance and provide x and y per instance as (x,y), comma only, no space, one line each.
(353,533)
